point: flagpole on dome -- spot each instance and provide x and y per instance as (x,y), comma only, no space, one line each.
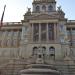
(1,22)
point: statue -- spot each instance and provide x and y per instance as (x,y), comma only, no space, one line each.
(59,8)
(29,9)
(28,13)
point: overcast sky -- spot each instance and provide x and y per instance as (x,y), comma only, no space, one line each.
(15,9)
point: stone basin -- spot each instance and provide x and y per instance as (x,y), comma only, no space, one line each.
(40,69)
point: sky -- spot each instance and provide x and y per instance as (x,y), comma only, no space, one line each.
(15,9)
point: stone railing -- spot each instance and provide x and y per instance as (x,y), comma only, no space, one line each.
(71,21)
(12,23)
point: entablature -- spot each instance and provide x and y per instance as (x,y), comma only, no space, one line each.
(44,21)
(70,23)
(11,25)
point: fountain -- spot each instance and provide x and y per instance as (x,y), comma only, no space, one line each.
(40,67)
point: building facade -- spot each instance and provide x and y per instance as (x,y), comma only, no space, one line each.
(44,28)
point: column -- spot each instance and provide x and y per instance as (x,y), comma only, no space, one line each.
(47,33)
(55,32)
(39,32)
(32,31)
(18,38)
(71,37)
(20,34)
(12,35)
(58,34)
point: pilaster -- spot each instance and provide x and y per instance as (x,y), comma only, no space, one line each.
(55,32)
(32,31)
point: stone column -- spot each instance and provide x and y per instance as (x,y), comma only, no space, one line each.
(57,28)
(71,36)
(39,32)
(32,31)
(47,34)
(55,32)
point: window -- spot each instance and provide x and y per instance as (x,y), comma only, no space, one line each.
(51,31)
(40,56)
(69,29)
(15,38)
(44,8)
(35,32)
(10,38)
(50,8)
(43,32)
(37,8)
(34,52)
(73,31)
(61,28)
(73,28)
(52,52)
(4,38)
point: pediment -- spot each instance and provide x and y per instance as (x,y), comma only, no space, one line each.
(44,16)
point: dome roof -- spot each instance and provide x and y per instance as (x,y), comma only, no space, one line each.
(44,1)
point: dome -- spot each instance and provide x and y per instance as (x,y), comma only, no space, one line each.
(44,1)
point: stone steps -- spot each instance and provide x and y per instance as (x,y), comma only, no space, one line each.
(14,67)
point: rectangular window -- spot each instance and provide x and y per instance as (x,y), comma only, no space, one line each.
(35,32)
(68,29)
(73,28)
(43,31)
(51,31)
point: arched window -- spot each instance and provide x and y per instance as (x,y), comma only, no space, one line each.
(50,8)
(37,8)
(34,52)
(44,8)
(52,52)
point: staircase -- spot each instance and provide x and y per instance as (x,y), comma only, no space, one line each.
(14,66)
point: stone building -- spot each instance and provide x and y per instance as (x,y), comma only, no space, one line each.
(44,33)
